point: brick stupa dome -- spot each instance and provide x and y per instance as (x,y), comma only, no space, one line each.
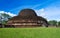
(27,12)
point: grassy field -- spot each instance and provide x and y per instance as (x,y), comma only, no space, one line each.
(30,32)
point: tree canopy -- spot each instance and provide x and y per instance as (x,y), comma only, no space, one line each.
(53,22)
(4,18)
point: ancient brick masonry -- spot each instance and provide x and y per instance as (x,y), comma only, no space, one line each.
(27,18)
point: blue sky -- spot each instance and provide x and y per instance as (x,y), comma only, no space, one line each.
(49,9)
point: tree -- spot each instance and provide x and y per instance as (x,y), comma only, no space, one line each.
(59,23)
(4,18)
(53,22)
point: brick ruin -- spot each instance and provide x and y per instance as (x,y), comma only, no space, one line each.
(27,18)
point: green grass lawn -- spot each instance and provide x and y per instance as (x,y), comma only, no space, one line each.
(30,32)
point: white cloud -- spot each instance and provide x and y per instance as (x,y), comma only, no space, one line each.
(9,13)
(53,13)
(40,12)
(50,13)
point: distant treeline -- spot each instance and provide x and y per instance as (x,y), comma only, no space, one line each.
(54,23)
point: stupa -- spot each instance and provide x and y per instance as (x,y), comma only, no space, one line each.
(27,18)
